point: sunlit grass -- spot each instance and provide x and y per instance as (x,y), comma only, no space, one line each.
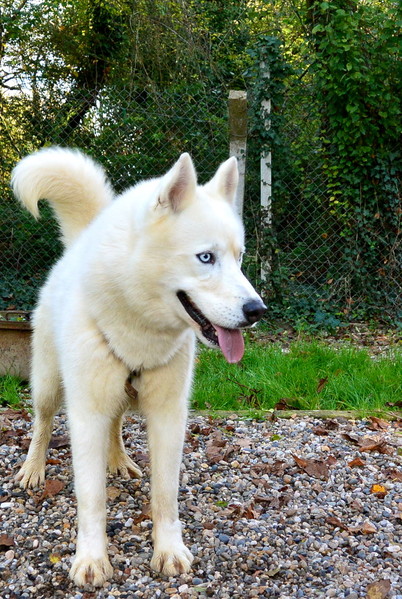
(310,375)
(10,391)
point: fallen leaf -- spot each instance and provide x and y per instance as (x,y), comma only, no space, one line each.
(60,441)
(13,414)
(367,444)
(394,474)
(379,490)
(321,384)
(336,522)
(197,429)
(368,528)
(54,559)
(113,493)
(278,502)
(377,424)
(247,511)
(214,448)
(357,505)
(283,404)
(356,463)
(144,515)
(378,589)
(52,487)
(354,439)
(316,468)
(6,542)
(320,430)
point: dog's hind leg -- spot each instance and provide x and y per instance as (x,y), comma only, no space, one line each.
(47,397)
(163,399)
(118,461)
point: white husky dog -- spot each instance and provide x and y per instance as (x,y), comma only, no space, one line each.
(143,275)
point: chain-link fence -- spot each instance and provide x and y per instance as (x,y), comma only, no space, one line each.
(318,256)
(139,134)
(134,135)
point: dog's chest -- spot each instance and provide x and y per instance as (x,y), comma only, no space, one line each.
(143,349)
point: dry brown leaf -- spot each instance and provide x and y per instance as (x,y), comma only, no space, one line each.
(113,493)
(214,448)
(377,424)
(53,461)
(13,414)
(60,441)
(380,445)
(394,474)
(321,384)
(354,439)
(336,522)
(52,487)
(316,468)
(6,542)
(283,404)
(368,528)
(247,511)
(320,430)
(378,589)
(356,463)
(144,515)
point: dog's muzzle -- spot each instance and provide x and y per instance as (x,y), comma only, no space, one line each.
(254,310)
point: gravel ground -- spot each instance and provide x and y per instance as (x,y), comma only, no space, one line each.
(284,509)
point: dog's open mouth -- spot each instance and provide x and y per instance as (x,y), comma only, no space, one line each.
(230,341)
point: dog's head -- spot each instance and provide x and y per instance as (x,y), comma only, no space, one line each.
(203,242)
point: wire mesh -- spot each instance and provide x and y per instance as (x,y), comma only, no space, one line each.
(138,134)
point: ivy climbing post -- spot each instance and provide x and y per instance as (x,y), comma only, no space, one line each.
(266,169)
(238,139)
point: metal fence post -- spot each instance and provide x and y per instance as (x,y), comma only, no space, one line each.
(238,139)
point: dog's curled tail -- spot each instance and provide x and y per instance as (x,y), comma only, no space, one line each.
(76,187)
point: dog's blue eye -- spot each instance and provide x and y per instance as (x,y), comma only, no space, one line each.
(206,257)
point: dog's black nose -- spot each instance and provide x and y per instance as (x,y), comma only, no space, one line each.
(253,310)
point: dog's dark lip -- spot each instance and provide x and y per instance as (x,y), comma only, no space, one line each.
(207,328)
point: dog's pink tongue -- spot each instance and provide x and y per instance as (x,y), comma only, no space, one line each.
(231,343)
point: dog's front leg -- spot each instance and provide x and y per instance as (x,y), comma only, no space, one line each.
(163,399)
(94,389)
(89,438)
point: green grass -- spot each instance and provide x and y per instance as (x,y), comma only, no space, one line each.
(11,390)
(352,379)
(266,375)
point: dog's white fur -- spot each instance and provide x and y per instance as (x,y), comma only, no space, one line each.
(109,308)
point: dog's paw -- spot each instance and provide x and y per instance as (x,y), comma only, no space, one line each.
(124,466)
(86,570)
(172,562)
(31,475)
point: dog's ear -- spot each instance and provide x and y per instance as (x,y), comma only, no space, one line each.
(179,184)
(225,181)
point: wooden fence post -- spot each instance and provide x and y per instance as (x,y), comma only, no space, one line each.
(238,139)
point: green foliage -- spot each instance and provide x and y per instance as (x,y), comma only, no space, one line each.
(357,75)
(135,84)
(338,207)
